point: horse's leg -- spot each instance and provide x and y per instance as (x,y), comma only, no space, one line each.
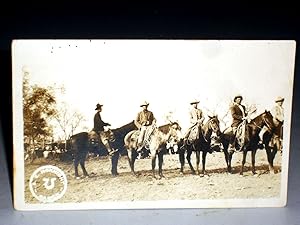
(253,153)
(181,160)
(275,149)
(188,157)
(131,159)
(203,172)
(228,164)
(82,164)
(197,161)
(114,164)
(229,161)
(160,163)
(243,162)
(228,155)
(153,160)
(270,159)
(76,162)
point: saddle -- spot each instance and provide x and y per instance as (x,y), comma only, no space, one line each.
(194,134)
(94,138)
(146,141)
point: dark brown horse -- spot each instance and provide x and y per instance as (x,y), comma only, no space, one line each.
(251,140)
(81,145)
(272,144)
(156,143)
(85,142)
(200,143)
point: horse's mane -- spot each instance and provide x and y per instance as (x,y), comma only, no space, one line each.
(125,128)
(166,128)
(259,116)
(206,131)
(81,134)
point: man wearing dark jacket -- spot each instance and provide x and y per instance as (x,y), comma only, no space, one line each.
(99,125)
(238,113)
(99,128)
(98,122)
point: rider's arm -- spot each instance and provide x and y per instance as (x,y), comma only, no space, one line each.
(201,119)
(138,121)
(153,118)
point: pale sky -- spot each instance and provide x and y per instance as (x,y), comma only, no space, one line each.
(120,74)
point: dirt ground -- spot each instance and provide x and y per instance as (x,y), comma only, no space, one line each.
(101,186)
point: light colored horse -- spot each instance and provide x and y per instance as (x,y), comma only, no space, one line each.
(156,144)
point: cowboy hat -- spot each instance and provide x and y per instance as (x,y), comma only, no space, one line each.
(144,104)
(195,101)
(237,96)
(279,99)
(98,106)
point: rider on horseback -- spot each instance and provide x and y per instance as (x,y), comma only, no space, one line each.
(196,119)
(239,116)
(278,117)
(143,121)
(99,128)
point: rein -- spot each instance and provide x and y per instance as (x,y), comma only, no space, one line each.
(262,126)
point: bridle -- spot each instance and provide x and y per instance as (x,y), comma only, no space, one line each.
(213,124)
(265,122)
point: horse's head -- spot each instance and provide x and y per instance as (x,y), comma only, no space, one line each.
(175,137)
(267,119)
(214,124)
(171,131)
(175,126)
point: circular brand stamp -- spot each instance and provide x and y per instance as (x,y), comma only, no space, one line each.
(48,183)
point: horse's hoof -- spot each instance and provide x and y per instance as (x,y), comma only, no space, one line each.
(201,175)
(77,178)
(135,174)
(180,173)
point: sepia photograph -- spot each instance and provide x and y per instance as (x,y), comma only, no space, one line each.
(131,124)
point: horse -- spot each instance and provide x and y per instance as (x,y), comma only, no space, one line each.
(156,141)
(81,145)
(251,138)
(273,143)
(200,143)
(85,142)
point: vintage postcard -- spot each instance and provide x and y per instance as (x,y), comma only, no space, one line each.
(130,124)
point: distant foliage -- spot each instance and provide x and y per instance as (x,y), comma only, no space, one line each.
(39,106)
(68,120)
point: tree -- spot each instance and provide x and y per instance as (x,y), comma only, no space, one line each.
(38,107)
(68,120)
